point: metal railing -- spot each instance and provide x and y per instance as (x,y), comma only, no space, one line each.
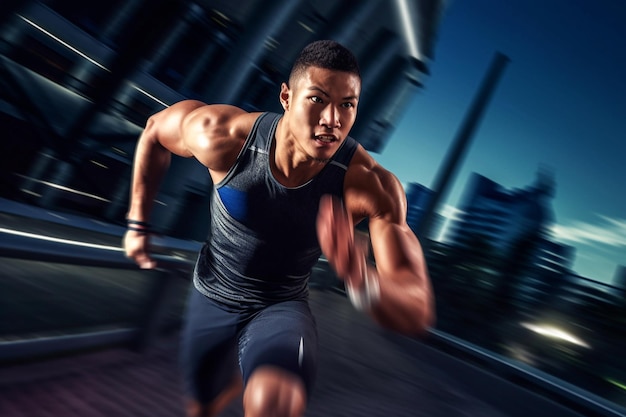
(170,269)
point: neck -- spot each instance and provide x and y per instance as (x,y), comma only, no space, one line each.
(290,166)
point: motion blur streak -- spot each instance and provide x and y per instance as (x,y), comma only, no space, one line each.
(62,42)
(57,240)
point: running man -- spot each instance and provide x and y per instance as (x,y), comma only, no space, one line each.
(287,187)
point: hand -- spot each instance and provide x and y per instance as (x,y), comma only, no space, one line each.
(335,232)
(136,247)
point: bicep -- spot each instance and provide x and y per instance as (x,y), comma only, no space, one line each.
(396,248)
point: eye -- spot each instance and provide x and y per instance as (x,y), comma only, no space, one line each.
(347,105)
(316,99)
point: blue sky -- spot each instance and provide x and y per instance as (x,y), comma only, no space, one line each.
(560,103)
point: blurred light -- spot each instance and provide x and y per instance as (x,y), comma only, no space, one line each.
(306,27)
(30,192)
(450,214)
(219,22)
(98,164)
(64,188)
(521,353)
(67,45)
(144,92)
(617,384)
(221,17)
(58,240)
(407,25)
(555,333)
(56,215)
(118,150)
(271,43)
(71,190)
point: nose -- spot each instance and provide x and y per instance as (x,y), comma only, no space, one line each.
(330,117)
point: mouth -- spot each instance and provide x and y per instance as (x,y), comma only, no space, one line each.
(326,139)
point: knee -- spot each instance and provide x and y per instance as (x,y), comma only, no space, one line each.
(196,409)
(274,392)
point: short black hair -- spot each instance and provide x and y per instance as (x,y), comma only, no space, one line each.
(325,54)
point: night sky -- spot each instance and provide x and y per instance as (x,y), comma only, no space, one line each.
(560,104)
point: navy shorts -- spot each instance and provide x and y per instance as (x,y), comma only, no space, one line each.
(217,340)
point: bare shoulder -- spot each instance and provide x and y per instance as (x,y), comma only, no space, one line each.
(372,191)
(219,120)
(215,134)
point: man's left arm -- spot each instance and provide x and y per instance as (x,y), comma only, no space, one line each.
(405,301)
(395,290)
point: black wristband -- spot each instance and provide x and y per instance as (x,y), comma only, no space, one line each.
(144,230)
(138,223)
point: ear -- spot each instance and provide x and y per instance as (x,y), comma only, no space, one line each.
(285,96)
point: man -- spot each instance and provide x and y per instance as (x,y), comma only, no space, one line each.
(284,186)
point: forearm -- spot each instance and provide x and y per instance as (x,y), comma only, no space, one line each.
(150,165)
(404,303)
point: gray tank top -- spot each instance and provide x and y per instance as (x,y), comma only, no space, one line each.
(263,240)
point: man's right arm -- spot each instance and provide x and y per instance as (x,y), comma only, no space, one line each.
(210,133)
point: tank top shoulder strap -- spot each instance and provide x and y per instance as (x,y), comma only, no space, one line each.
(263,129)
(345,153)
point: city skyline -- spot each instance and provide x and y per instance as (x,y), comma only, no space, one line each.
(559,105)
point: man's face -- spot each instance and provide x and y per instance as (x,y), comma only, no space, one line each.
(321,107)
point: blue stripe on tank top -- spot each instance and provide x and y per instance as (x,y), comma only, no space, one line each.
(235,201)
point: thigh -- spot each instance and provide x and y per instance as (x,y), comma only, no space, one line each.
(282,335)
(208,350)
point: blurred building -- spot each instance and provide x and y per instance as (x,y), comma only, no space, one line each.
(418,196)
(500,216)
(619,280)
(79,81)
(511,228)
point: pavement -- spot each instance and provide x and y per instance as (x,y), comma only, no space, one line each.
(364,370)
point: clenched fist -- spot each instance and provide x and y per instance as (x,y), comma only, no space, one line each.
(137,247)
(345,252)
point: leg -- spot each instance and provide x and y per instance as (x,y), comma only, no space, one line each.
(195,408)
(277,352)
(208,356)
(272,391)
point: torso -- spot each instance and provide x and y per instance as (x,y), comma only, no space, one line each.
(264,242)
